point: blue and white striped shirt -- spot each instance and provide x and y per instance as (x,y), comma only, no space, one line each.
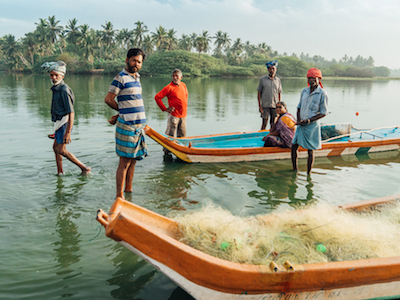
(128,90)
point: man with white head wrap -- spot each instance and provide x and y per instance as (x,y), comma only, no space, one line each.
(62,114)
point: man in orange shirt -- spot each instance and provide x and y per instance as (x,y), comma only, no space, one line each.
(177,95)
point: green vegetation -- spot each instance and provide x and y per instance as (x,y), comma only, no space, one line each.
(87,50)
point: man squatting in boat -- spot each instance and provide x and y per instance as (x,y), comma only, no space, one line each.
(177,95)
(313,106)
(129,135)
(63,115)
(269,94)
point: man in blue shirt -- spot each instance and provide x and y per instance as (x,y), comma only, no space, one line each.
(129,136)
(313,106)
(62,114)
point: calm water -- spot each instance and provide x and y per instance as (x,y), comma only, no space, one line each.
(51,247)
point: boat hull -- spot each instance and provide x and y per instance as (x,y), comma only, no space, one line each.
(192,154)
(155,238)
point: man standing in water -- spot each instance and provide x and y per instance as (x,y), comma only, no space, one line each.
(269,94)
(177,95)
(129,136)
(62,113)
(313,106)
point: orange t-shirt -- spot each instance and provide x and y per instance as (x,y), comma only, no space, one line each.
(177,97)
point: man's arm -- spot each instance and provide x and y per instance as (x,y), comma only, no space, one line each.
(110,101)
(259,102)
(67,135)
(298,117)
(159,96)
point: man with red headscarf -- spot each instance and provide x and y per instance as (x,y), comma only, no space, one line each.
(313,106)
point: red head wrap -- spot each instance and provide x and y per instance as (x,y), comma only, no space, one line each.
(314,72)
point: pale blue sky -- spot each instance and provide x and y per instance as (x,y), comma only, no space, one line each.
(330,28)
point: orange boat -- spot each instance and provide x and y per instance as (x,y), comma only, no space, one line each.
(338,139)
(155,238)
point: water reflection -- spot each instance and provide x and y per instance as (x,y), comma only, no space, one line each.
(282,189)
(68,245)
(131,275)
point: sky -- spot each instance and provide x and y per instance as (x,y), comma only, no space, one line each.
(329,28)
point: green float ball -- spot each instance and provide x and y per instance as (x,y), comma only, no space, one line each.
(321,248)
(224,245)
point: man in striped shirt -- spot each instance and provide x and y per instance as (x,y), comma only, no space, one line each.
(129,136)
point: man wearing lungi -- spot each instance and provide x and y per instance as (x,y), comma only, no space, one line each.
(129,136)
(313,106)
(62,114)
(269,94)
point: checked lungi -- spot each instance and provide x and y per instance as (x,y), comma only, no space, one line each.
(130,140)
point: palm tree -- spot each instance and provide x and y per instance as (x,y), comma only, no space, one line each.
(62,41)
(237,46)
(172,41)
(249,48)
(124,37)
(263,48)
(139,33)
(148,45)
(11,50)
(185,43)
(159,38)
(226,41)
(108,34)
(30,46)
(219,40)
(202,42)
(107,38)
(88,42)
(72,31)
(42,34)
(193,38)
(55,30)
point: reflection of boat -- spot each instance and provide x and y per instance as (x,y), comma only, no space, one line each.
(155,238)
(248,146)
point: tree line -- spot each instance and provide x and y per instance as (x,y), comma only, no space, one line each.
(85,48)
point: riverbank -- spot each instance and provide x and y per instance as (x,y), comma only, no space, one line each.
(204,65)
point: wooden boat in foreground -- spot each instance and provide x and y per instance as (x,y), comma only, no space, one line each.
(155,238)
(248,146)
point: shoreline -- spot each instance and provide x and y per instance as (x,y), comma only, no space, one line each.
(98,72)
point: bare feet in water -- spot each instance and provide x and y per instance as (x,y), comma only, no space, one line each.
(86,171)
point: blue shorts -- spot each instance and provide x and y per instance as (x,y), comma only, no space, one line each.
(59,136)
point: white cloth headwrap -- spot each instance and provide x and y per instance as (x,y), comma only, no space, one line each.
(59,67)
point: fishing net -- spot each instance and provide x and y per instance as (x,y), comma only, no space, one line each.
(329,131)
(313,235)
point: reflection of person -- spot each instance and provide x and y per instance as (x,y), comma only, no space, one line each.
(313,106)
(63,115)
(282,131)
(129,136)
(269,93)
(177,95)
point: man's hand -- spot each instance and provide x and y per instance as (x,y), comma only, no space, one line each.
(261,110)
(113,119)
(302,122)
(170,109)
(67,138)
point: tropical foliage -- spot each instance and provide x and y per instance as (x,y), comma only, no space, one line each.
(204,54)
